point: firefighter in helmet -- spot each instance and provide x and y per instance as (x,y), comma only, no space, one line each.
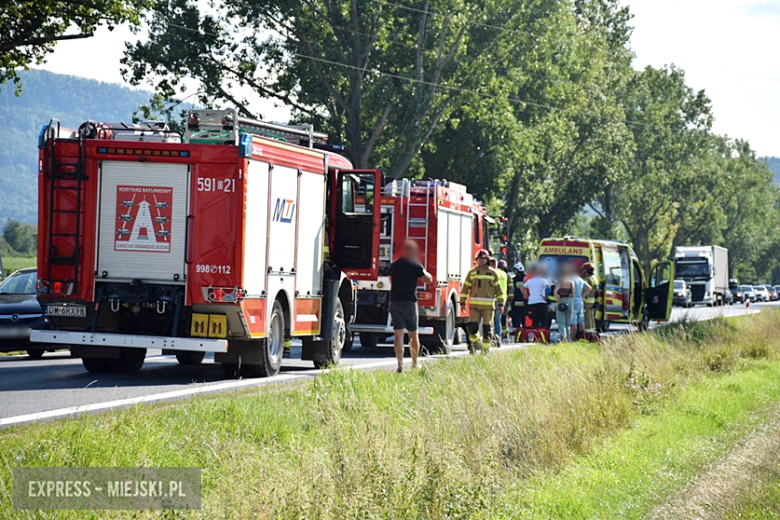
(482,289)
(518,298)
(589,274)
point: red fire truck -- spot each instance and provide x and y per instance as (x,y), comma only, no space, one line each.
(233,238)
(449,226)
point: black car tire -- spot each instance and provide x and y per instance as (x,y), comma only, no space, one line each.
(190,358)
(96,365)
(130,360)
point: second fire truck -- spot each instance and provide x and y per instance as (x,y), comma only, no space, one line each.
(449,226)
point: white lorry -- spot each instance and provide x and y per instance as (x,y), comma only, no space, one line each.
(706,271)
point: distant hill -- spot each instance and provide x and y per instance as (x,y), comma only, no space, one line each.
(774,165)
(46,95)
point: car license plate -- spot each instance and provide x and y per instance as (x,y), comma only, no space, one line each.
(67,311)
(14,332)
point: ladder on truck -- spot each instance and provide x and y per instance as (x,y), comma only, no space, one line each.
(419,222)
(227,126)
(65,177)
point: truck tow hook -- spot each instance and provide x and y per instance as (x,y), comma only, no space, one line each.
(115,304)
(161,304)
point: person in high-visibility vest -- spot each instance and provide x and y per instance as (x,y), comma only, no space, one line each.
(503,269)
(503,280)
(589,300)
(518,311)
(482,289)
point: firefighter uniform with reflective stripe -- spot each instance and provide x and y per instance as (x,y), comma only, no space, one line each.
(518,301)
(482,288)
(590,303)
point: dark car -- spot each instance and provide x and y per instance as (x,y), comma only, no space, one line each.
(20,312)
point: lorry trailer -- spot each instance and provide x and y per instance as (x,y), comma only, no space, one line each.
(706,271)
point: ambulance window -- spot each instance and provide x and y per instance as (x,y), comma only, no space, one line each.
(660,274)
(612,269)
(357,193)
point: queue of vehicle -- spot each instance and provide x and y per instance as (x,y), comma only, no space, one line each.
(130,259)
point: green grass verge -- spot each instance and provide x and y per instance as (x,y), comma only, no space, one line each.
(12,263)
(635,471)
(566,431)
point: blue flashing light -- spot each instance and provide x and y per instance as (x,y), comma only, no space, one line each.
(41,135)
(245,145)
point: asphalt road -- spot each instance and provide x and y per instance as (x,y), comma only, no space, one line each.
(58,385)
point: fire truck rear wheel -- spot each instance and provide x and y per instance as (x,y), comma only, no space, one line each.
(444,333)
(340,338)
(190,358)
(272,347)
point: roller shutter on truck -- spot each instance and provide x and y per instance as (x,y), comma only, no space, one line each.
(142,219)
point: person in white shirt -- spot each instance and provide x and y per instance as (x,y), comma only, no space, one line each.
(535,290)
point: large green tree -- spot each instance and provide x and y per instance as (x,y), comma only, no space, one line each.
(670,124)
(381,76)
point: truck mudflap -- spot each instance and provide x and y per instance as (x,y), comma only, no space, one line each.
(99,339)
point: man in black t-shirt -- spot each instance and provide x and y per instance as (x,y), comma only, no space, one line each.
(404,273)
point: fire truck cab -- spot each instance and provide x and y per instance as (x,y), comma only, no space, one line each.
(624,294)
(449,226)
(233,238)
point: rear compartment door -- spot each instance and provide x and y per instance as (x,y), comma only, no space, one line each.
(143,219)
(659,293)
(356,216)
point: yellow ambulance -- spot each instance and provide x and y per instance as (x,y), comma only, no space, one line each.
(624,295)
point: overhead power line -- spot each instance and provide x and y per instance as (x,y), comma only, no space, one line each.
(469,22)
(442,86)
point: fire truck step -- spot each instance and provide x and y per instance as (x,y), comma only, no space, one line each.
(66,188)
(65,211)
(65,260)
(64,234)
(69,176)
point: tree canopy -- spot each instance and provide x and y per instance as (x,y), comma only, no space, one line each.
(31,28)
(533,104)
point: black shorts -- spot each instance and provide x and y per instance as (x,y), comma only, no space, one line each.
(404,315)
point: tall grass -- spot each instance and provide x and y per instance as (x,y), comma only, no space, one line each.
(446,441)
